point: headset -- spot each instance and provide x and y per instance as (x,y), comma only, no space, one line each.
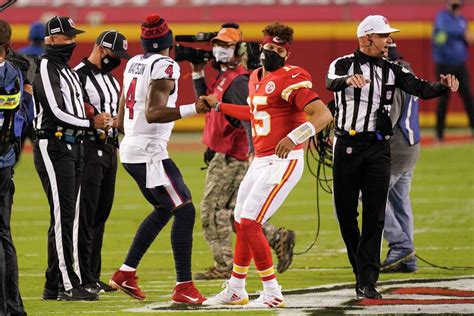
(371,42)
(240,48)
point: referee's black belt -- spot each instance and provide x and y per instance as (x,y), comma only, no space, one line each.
(102,139)
(45,134)
(359,136)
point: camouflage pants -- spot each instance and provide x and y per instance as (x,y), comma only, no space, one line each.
(222,184)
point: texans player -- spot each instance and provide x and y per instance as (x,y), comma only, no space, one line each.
(280,97)
(147,112)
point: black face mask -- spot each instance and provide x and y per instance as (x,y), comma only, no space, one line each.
(455,6)
(64,51)
(109,63)
(272,61)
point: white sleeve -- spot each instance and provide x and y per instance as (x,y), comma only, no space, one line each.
(165,68)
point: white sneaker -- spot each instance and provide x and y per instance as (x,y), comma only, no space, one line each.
(228,296)
(267,300)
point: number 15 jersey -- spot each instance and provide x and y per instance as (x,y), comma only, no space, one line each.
(276,103)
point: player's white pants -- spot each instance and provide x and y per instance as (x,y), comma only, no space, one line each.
(266,185)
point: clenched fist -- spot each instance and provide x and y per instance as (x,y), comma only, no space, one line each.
(202,106)
(102,121)
(211,100)
(284,147)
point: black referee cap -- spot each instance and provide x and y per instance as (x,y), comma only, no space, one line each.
(114,41)
(62,25)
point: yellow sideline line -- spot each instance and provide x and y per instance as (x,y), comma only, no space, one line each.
(252,31)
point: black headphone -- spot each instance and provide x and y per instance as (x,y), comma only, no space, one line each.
(240,48)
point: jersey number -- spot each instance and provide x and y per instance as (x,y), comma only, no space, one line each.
(261,119)
(169,71)
(130,99)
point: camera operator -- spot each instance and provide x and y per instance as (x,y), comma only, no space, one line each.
(229,143)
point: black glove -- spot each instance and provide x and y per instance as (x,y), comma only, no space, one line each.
(208,155)
(383,123)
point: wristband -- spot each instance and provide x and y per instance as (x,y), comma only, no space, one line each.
(302,133)
(217,106)
(197,74)
(187,110)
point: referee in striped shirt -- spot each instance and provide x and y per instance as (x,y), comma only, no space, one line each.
(101,94)
(59,125)
(364,86)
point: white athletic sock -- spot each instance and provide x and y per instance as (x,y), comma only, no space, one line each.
(272,287)
(126,268)
(236,283)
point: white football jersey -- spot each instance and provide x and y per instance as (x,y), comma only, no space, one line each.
(138,74)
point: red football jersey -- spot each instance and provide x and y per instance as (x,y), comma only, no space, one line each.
(276,103)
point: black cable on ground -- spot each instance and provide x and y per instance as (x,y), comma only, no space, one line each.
(319,151)
(442,267)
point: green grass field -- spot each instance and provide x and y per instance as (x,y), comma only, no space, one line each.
(442,197)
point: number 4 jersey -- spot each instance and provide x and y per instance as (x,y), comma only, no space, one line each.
(142,137)
(276,103)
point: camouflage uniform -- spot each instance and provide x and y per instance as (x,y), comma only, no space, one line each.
(222,184)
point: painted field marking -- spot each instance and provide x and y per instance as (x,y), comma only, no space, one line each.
(402,296)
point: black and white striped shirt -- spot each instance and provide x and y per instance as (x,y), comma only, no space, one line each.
(58,98)
(101,90)
(356,109)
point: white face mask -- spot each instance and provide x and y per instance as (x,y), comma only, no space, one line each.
(222,54)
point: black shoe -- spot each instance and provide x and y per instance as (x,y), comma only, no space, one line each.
(104,287)
(77,294)
(93,288)
(49,294)
(368,291)
(359,292)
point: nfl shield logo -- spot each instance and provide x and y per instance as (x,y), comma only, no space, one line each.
(270,87)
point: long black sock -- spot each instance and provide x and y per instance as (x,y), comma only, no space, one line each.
(146,234)
(182,241)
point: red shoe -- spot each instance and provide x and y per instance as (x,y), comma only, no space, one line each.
(186,293)
(126,281)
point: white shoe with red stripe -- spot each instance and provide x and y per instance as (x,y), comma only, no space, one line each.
(228,296)
(267,300)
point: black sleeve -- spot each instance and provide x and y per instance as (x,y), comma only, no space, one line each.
(238,93)
(200,87)
(23,63)
(81,73)
(338,74)
(47,88)
(415,86)
(27,109)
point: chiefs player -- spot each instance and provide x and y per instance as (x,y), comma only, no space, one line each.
(280,96)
